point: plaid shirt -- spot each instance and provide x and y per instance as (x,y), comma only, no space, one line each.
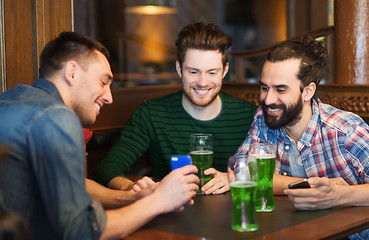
(334,144)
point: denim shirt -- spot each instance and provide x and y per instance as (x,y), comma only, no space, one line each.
(43,179)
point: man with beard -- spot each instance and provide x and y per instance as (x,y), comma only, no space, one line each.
(314,140)
(162,126)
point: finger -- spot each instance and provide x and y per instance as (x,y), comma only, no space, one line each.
(136,188)
(319,181)
(190,202)
(192,178)
(141,184)
(221,190)
(210,171)
(217,186)
(185,170)
(148,180)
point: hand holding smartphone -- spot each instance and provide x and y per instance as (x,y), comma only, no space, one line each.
(300,184)
(178,161)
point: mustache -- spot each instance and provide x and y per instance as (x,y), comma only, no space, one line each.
(273,106)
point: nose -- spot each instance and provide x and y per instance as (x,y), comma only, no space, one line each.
(108,97)
(202,81)
(270,97)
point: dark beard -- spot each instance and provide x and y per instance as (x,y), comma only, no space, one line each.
(290,115)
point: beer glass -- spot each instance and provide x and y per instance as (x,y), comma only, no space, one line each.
(242,174)
(264,153)
(201,145)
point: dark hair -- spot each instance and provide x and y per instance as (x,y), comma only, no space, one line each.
(202,36)
(68,46)
(310,52)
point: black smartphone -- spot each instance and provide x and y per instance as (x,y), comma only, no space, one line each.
(178,161)
(300,184)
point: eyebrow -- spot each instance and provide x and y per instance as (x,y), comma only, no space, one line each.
(275,86)
(193,68)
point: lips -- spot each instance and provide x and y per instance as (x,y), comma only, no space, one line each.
(98,106)
(201,92)
(274,111)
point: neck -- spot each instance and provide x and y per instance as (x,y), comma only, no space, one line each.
(295,131)
(203,113)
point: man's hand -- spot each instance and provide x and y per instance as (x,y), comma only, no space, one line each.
(218,184)
(324,193)
(177,188)
(142,184)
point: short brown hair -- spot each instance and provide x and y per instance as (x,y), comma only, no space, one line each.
(68,46)
(202,36)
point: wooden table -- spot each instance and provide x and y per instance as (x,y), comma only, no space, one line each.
(211,216)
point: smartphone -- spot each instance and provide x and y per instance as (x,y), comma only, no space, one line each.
(178,161)
(300,184)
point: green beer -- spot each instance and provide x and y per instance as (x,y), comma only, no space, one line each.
(264,201)
(244,216)
(203,160)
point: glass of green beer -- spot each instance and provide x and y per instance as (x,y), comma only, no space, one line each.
(201,146)
(243,176)
(264,153)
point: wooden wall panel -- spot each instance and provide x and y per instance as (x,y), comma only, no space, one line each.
(17,27)
(25,27)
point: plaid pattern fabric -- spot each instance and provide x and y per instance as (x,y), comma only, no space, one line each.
(334,144)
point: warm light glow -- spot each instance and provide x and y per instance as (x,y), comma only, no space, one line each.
(151,10)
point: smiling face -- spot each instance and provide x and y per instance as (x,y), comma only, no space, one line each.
(202,73)
(280,94)
(92,89)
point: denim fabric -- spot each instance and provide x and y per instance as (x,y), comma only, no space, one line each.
(43,179)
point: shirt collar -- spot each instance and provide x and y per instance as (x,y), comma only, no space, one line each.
(48,87)
(312,128)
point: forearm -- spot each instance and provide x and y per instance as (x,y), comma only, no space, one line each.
(280,183)
(124,221)
(121,183)
(354,195)
(110,198)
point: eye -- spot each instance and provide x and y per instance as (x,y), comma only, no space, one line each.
(264,88)
(281,90)
(193,72)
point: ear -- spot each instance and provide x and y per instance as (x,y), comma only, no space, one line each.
(178,68)
(309,92)
(226,68)
(70,72)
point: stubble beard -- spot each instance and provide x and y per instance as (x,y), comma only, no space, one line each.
(193,99)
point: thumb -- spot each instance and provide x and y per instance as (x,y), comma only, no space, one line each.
(210,171)
(318,181)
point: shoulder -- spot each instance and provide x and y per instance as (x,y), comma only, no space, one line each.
(165,102)
(339,119)
(229,101)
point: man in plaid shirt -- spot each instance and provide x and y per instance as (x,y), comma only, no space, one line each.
(328,146)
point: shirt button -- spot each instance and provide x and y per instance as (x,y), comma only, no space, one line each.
(287,147)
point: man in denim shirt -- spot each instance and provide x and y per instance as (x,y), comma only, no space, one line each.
(43,179)
(314,140)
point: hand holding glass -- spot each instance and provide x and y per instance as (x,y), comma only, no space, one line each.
(201,145)
(243,177)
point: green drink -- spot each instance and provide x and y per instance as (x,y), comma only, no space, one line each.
(243,195)
(203,160)
(264,201)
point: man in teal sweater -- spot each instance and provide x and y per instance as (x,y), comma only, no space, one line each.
(162,126)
